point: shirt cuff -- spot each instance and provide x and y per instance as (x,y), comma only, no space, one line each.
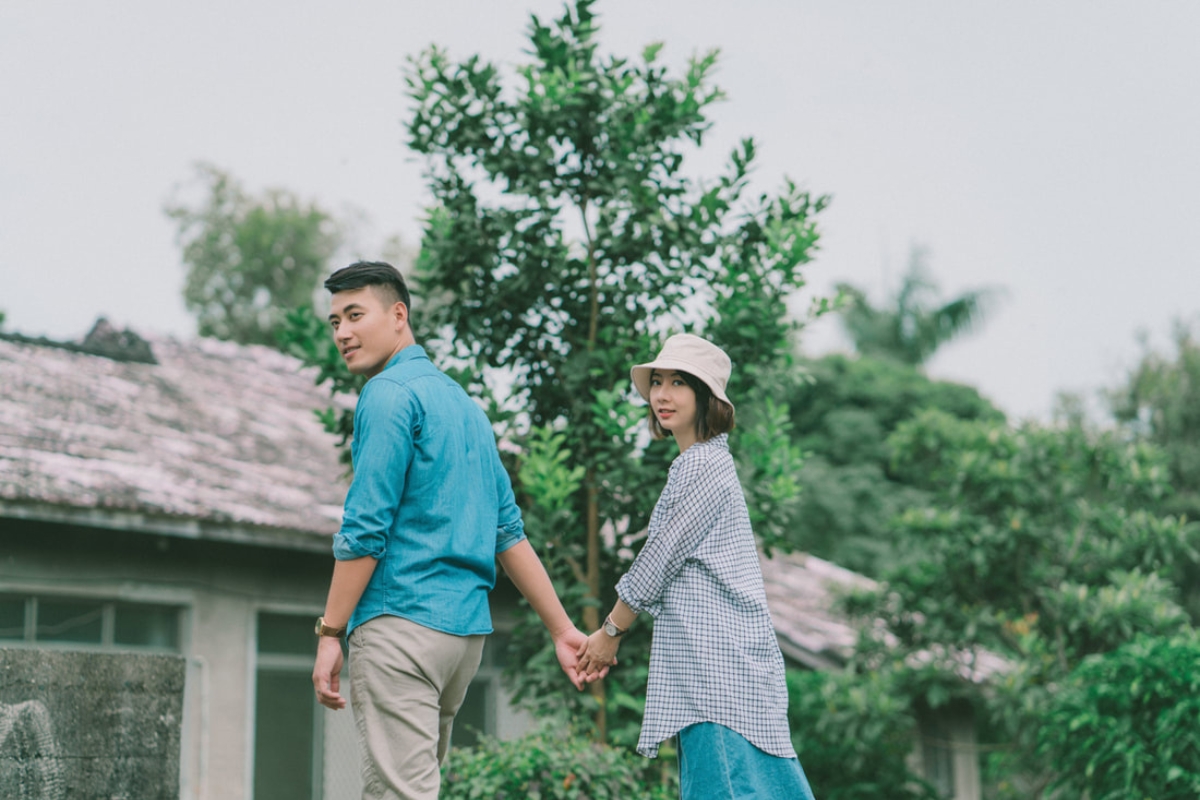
(507,537)
(346,548)
(629,597)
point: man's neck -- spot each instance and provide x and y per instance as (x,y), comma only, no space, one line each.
(404,343)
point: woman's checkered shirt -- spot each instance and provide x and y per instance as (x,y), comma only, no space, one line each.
(714,657)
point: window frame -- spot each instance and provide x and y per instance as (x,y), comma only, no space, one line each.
(108,606)
(289,662)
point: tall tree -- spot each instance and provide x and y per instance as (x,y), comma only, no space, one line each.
(916,321)
(250,259)
(571,242)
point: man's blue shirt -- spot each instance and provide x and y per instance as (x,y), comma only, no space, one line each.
(429,499)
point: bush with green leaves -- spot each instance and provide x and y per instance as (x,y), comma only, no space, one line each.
(1043,545)
(853,733)
(1123,725)
(554,763)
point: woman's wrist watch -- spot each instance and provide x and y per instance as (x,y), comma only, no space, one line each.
(612,630)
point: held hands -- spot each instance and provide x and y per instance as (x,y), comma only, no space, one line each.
(597,654)
(567,646)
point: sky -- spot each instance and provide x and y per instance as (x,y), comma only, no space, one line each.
(1048,150)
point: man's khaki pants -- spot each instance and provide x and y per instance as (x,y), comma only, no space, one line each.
(406,684)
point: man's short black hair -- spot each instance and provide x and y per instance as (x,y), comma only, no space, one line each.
(379,274)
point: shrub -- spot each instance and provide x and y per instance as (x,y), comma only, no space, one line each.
(553,763)
(853,734)
(1123,725)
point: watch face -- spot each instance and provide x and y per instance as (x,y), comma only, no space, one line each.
(610,629)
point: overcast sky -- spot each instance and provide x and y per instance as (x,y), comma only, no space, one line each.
(1048,148)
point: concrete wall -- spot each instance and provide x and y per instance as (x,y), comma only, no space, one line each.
(84,725)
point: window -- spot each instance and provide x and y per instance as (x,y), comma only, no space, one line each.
(287,727)
(75,621)
(937,751)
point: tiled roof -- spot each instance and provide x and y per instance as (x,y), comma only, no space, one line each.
(803,593)
(215,436)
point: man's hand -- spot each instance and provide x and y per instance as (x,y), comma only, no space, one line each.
(566,647)
(327,672)
(596,654)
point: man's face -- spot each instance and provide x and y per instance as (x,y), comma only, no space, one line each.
(367,332)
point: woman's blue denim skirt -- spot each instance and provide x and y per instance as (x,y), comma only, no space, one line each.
(716,763)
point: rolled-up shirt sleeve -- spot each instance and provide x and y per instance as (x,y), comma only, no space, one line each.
(510,528)
(685,514)
(384,420)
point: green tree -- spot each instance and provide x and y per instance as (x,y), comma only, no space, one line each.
(1160,402)
(1040,545)
(841,418)
(915,322)
(250,259)
(563,243)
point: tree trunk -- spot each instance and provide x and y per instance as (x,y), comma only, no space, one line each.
(591,613)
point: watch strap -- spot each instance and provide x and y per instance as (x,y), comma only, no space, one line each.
(328,630)
(611,628)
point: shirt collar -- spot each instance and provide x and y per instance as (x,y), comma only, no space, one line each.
(410,353)
(721,440)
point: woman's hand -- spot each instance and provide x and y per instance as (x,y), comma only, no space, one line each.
(567,646)
(598,653)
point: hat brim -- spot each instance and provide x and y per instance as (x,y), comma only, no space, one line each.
(640,375)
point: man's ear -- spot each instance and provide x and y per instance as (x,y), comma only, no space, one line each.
(399,314)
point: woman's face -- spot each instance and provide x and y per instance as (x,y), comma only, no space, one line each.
(673,403)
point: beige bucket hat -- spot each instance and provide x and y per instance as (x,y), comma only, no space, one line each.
(685,352)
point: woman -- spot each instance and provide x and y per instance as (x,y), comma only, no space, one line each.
(716,673)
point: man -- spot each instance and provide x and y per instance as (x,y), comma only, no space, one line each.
(428,513)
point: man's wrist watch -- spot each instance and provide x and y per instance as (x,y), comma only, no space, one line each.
(329,630)
(612,630)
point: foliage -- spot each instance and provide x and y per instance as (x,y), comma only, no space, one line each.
(307,337)
(841,418)
(548,765)
(1038,544)
(768,475)
(1123,724)
(915,322)
(569,242)
(249,259)
(853,733)
(1160,402)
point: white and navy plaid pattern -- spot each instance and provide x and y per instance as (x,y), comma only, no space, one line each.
(714,657)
